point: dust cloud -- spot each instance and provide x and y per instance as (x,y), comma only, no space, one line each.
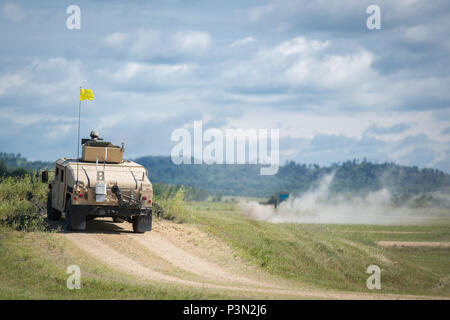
(319,206)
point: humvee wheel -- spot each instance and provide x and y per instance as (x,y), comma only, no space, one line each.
(74,221)
(52,214)
(142,223)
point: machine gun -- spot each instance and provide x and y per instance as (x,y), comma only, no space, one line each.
(132,202)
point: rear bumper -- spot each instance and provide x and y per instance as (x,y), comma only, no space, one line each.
(110,211)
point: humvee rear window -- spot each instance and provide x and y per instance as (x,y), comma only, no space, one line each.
(62,176)
(56,172)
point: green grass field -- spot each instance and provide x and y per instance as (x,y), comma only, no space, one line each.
(321,256)
(334,256)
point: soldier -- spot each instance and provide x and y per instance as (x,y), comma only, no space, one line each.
(94,135)
(95,140)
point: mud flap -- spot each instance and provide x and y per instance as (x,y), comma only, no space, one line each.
(74,220)
(142,223)
(77,221)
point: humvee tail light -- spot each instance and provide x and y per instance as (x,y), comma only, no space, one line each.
(144,198)
(80,195)
(149,200)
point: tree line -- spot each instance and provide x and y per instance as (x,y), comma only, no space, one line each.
(353,176)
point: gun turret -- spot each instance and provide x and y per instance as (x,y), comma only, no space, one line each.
(104,151)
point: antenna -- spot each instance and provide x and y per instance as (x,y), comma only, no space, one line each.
(104,160)
(78,139)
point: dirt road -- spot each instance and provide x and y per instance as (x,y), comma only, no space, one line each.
(183,255)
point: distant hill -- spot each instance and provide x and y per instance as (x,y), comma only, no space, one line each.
(245,180)
(15,165)
(12,160)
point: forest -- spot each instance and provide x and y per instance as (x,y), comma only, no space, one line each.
(352,176)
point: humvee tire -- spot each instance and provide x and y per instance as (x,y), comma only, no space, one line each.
(52,214)
(142,223)
(74,221)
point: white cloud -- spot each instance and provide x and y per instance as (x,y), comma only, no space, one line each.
(336,70)
(257,13)
(11,81)
(52,81)
(145,73)
(242,42)
(148,43)
(116,39)
(301,62)
(417,34)
(157,43)
(302,46)
(192,41)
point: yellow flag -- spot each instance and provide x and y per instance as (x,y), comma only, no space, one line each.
(86,94)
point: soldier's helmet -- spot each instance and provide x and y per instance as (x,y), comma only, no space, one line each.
(94,135)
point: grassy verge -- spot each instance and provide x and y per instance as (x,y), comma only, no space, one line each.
(33,266)
(23,203)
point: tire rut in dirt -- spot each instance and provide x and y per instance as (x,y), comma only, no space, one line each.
(182,259)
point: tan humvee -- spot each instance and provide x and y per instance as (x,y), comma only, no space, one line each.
(100,184)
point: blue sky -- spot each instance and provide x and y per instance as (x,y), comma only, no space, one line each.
(311,69)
